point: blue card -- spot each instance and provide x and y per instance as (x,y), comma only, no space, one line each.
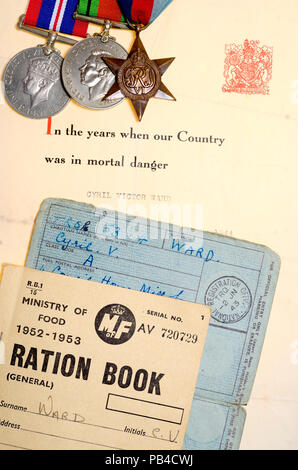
(214,426)
(236,278)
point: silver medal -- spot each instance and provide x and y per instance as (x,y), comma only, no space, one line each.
(32,83)
(86,77)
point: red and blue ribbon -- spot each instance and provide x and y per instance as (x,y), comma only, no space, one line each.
(55,15)
(136,11)
(143,11)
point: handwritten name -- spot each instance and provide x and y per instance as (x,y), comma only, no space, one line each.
(68,242)
(48,409)
(189,250)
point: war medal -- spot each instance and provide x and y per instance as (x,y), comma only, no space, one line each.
(32,78)
(138,77)
(85,75)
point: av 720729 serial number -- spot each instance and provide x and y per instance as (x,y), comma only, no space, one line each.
(40,333)
(179,335)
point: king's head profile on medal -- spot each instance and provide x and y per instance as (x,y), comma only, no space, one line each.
(136,77)
(41,76)
(96,75)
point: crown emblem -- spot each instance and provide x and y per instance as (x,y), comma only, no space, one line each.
(45,68)
(138,59)
(249,48)
(247,68)
(117,310)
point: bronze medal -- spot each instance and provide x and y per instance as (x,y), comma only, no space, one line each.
(138,77)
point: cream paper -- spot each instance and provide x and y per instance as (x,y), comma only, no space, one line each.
(89,366)
(245,187)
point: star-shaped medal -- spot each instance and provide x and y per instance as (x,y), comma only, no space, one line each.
(138,77)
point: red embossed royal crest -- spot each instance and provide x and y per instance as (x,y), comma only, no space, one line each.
(248,68)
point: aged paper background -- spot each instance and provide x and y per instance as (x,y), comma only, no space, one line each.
(246,187)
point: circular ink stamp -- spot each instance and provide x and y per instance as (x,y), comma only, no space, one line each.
(115,324)
(230,299)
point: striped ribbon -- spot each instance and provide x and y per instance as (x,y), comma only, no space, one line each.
(138,11)
(103,9)
(55,15)
(143,11)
